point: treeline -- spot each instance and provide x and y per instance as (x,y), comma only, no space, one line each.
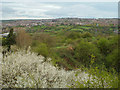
(76,28)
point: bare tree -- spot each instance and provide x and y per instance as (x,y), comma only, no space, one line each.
(23,39)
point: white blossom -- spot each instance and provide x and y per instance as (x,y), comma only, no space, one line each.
(30,70)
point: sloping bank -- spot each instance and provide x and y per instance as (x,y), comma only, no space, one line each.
(26,69)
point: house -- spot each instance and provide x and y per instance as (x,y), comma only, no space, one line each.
(4,35)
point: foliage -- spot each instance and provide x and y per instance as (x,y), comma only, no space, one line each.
(98,78)
(86,35)
(10,39)
(76,56)
(41,49)
(112,59)
(73,35)
(65,58)
(23,39)
(83,52)
(45,38)
(109,51)
(27,70)
(104,46)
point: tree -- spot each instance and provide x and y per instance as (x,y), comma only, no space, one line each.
(9,40)
(41,49)
(112,59)
(83,52)
(23,39)
(104,46)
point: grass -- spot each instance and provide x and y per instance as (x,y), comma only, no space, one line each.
(85,27)
(81,30)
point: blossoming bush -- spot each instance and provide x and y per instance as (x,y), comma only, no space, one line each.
(25,69)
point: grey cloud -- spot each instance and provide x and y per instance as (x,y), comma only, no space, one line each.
(83,10)
(8,10)
(55,10)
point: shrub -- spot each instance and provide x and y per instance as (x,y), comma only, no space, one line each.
(113,43)
(86,35)
(27,70)
(45,38)
(83,52)
(67,58)
(109,51)
(104,46)
(72,35)
(97,77)
(41,49)
(112,59)
(35,43)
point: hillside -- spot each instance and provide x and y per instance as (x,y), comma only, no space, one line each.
(25,69)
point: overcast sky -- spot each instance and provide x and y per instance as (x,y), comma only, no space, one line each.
(60,0)
(35,9)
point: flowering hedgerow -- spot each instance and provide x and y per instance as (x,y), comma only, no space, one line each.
(26,69)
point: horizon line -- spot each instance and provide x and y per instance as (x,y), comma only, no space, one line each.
(62,18)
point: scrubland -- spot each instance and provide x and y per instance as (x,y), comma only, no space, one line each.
(62,56)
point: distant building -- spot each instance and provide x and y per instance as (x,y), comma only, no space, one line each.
(4,35)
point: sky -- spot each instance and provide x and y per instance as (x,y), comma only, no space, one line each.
(60,0)
(36,9)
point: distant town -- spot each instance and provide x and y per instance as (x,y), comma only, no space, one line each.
(59,21)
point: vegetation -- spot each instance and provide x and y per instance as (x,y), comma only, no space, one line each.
(70,49)
(23,39)
(9,40)
(23,70)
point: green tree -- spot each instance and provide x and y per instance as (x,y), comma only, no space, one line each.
(41,49)
(112,59)
(9,40)
(104,46)
(83,52)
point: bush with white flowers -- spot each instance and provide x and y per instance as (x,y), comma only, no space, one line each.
(26,69)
